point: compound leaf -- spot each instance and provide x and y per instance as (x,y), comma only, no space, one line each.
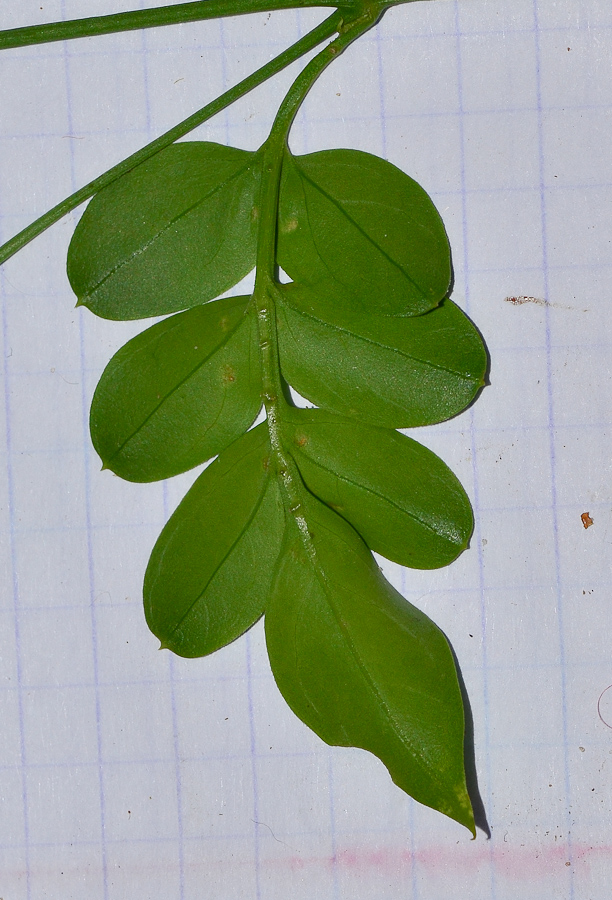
(176,231)
(401,498)
(179,393)
(211,570)
(365,332)
(355,218)
(395,372)
(364,668)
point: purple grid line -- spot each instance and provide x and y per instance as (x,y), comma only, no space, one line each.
(356,117)
(45,51)
(208,838)
(253,757)
(177,769)
(553,472)
(88,513)
(251,709)
(384,117)
(304,124)
(171,663)
(335,874)
(15,589)
(332,825)
(475,469)
(500,667)
(302,116)
(161,761)
(552,446)
(440,430)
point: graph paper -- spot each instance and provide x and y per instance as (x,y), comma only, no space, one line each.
(128,773)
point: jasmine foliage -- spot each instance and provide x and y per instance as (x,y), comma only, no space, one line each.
(284,520)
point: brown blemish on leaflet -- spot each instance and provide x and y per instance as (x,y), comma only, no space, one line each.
(289,226)
(224,323)
(301,440)
(228,375)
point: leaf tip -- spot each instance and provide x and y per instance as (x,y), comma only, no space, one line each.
(463,811)
(163,646)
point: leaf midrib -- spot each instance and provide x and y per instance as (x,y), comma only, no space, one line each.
(183,381)
(368,340)
(418,756)
(370,490)
(232,546)
(358,228)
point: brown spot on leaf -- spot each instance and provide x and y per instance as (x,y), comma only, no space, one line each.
(301,440)
(228,375)
(289,226)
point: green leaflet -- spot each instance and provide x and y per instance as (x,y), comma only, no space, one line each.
(395,372)
(401,498)
(176,231)
(178,393)
(211,570)
(359,220)
(363,667)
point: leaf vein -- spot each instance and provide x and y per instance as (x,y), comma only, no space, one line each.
(375,343)
(364,233)
(417,753)
(230,550)
(140,250)
(179,385)
(374,492)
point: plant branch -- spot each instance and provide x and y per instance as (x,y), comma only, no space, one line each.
(194,11)
(323,31)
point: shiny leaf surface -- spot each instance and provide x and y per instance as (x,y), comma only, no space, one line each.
(211,570)
(395,372)
(179,393)
(401,498)
(359,220)
(364,668)
(176,231)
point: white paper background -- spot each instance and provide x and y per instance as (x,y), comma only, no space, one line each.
(125,773)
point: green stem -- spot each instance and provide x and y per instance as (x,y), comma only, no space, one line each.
(149,18)
(308,42)
(266,284)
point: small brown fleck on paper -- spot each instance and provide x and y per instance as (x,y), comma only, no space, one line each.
(587,521)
